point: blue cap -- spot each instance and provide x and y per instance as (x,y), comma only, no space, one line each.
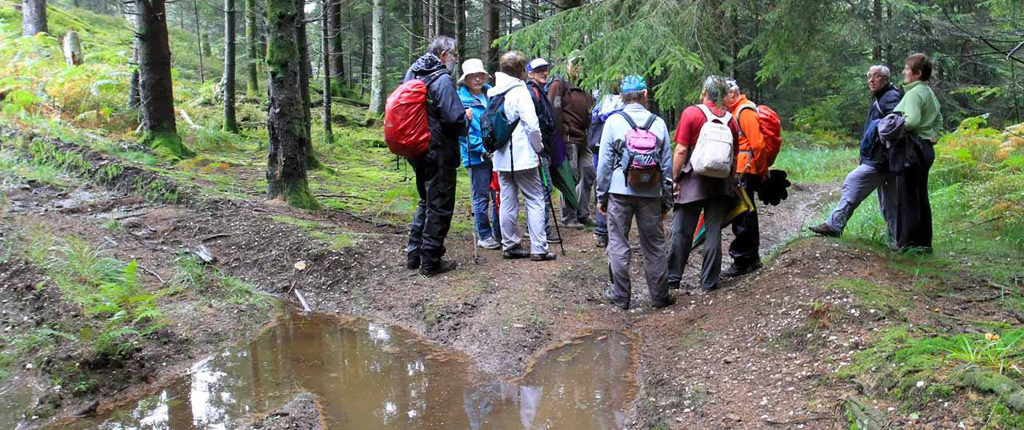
(632,84)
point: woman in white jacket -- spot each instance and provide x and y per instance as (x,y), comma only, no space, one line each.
(517,164)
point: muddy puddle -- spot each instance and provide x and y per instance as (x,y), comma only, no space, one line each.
(368,375)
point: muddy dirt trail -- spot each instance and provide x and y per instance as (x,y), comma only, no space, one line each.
(735,358)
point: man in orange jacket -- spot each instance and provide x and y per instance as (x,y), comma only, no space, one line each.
(751,168)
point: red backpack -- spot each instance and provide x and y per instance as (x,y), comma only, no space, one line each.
(405,118)
(771,129)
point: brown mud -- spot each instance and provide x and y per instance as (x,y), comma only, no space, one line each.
(741,357)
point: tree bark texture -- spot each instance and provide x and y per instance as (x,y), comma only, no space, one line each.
(228,81)
(305,70)
(33,17)
(252,48)
(460,26)
(425,14)
(412,6)
(336,45)
(286,119)
(199,40)
(490,27)
(155,84)
(325,50)
(876,27)
(377,77)
(72,49)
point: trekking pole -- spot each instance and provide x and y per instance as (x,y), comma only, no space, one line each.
(545,178)
(476,255)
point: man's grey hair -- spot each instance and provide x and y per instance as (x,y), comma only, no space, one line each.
(882,70)
(441,44)
(715,89)
(734,87)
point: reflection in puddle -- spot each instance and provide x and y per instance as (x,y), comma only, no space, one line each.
(370,375)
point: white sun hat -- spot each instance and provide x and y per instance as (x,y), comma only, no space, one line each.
(471,66)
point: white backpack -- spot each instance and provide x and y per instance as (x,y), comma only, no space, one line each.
(712,155)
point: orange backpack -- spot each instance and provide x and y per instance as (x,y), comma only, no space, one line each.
(771,129)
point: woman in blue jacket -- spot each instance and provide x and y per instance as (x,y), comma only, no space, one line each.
(473,92)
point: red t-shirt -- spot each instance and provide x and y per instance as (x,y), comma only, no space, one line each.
(694,187)
(692,119)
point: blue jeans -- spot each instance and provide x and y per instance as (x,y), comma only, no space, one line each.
(480,184)
(600,221)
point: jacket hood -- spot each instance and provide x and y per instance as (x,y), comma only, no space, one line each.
(425,65)
(888,87)
(502,83)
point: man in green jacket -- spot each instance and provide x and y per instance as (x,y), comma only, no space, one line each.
(922,123)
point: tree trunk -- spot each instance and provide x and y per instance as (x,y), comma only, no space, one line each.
(876,27)
(72,49)
(252,47)
(199,40)
(228,81)
(325,36)
(426,13)
(305,70)
(413,31)
(490,27)
(33,17)
(335,42)
(155,85)
(460,26)
(286,120)
(377,77)
(362,58)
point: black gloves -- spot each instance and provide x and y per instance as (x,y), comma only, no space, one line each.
(772,190)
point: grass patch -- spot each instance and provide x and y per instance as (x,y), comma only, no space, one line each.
(817,165)
(890,300)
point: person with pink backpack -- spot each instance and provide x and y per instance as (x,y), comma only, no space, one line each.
(634,179)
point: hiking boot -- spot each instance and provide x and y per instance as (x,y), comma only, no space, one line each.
(737,270)
(488,243)
(554,238)
(586,222)
(571,223)
(708,290)
(515,252)
(602,241)
(610,297)
(823,230)
(412,262)
(669,301)
(543,257)
(438,268)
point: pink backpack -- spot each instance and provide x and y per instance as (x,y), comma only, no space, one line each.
(642,152)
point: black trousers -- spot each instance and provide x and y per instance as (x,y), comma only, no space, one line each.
(744,250)
(433,218)
(913,209)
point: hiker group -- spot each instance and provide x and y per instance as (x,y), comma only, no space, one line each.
(528,134)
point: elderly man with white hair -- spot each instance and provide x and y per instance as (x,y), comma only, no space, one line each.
(872,172)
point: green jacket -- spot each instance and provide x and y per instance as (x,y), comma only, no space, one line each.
(920,109)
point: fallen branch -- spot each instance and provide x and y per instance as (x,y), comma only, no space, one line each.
(154,275)
(188,119)
(215,236)
(980,223)
(797,421)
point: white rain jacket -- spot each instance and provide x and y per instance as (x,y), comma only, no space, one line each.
(521,152)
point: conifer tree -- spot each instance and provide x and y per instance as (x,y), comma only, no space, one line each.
(156,91)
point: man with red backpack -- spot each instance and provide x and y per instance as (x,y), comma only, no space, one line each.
(436,168)
(703,168)
(634,180)
(751,168)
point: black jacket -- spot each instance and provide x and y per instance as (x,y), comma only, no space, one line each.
(446,116)
(882,104)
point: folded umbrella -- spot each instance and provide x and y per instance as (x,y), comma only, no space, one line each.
(743,205)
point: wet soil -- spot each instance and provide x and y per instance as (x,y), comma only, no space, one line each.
(741,357)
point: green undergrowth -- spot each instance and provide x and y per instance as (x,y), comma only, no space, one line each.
(117,309)
(976,189)
(816,165)
(193,276)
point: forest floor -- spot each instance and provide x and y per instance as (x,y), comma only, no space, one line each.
(781,348)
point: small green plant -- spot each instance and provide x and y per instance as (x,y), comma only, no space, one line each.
(993,352)
(189,272)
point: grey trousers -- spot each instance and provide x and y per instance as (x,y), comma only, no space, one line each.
(684,222)
(858,186)
(528,182)
(647,210)
(580,159)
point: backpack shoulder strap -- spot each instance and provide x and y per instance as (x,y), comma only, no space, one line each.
(650,122)
(632,124)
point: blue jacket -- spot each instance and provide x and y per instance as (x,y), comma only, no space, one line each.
(880,107)
(472,146)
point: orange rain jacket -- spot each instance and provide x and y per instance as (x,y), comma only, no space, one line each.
(750,157)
